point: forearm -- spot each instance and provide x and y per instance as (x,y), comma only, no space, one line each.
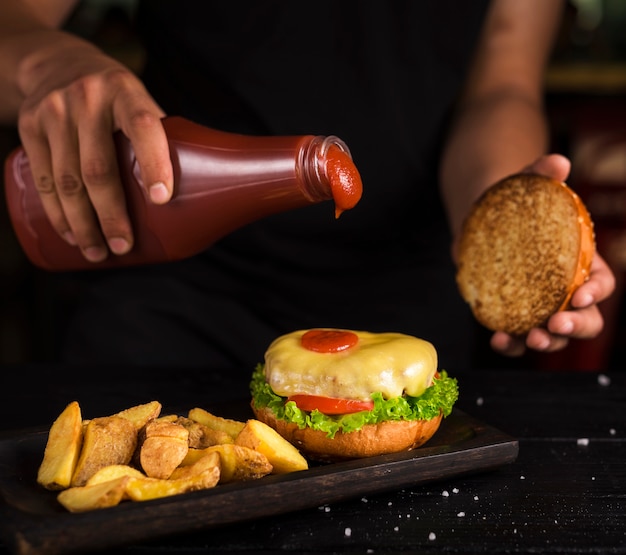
(500,126)
(27,37)
(69,98)
(492,137)
(42,61)
(14,49)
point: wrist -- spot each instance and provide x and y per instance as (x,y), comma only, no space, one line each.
(50,59)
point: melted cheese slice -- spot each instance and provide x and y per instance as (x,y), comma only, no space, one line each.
(392,363)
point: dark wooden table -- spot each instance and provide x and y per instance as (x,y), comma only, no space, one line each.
(565,492)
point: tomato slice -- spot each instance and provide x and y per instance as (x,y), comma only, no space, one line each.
(330,405)
(329,341)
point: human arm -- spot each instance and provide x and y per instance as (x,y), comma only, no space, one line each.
(501,129)
(68,98)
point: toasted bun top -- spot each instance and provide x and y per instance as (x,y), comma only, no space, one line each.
(390,363)
(525,247)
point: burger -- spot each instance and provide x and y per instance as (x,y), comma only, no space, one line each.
(341,394)
(525,247)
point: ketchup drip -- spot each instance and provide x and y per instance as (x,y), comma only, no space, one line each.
(345,180)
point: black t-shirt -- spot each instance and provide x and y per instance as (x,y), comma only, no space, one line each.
(384,77)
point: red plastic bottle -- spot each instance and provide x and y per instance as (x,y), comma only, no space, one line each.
(222,181)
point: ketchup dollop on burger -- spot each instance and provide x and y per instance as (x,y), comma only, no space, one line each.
(342,394)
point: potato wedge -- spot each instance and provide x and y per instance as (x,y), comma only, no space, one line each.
(99,496)
(202,464)
(162,447)
(164,428)
(168,418)
(113,472)
(138,454)
(62,449)
(239,463)
(231,427)
(107,440)
(282,455)
(140,415)
(159,456)
(201,436)
(192,478)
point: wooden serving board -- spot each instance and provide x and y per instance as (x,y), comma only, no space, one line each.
(33,523)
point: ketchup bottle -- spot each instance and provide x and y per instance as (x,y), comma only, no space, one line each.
(222,181)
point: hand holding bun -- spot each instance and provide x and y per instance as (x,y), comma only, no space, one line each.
(525,247)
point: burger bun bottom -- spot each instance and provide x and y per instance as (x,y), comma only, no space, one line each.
(373,439)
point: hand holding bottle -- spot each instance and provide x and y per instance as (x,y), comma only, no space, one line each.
(222,181)
(75,98)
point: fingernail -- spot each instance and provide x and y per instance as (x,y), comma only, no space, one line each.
(507,343)
(69,238)
(95,254)
(159,193)
(119,245)
(543,344)
(584,301)
(565,328)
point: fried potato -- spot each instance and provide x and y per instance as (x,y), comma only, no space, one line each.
(168,418)
(204,474)
(113,472)
(207,462)
(231,427)
(164,428)
(62,449)
(237,463)
(162,447)
(140,415)
(138,454)
(194,455)
(107,440)
(99,496)
(281,454)
(201,436)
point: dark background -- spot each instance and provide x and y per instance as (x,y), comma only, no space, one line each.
(586,99)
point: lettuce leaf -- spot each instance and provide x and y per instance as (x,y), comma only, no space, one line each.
(440,397)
